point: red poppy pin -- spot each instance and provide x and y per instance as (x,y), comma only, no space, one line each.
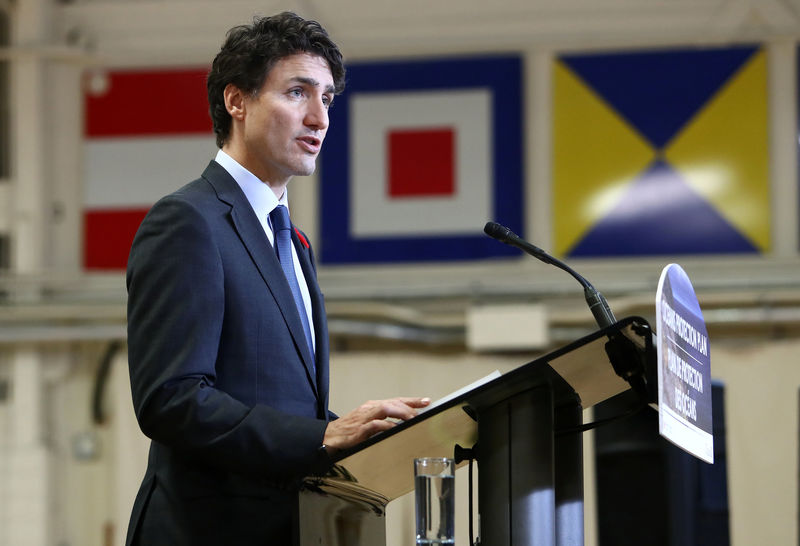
(302,239)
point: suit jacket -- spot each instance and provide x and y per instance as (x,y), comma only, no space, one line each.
(222,379)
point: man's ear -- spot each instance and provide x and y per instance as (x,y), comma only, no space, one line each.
(234,101)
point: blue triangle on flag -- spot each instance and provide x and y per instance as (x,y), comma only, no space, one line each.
(661,214)
(659,91)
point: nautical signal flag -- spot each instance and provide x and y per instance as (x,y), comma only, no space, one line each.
(147,133)
(661,153)
(419,156)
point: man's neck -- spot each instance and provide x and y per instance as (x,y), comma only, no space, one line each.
(240,156)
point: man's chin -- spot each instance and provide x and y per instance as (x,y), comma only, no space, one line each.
(306,170)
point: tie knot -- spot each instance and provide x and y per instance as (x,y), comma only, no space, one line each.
(280,218)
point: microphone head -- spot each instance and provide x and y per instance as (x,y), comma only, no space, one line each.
(496,231)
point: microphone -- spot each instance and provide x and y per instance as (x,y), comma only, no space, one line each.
(626,359)
(597,303)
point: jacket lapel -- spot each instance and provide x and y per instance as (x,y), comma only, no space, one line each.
(306,258)
(255,241)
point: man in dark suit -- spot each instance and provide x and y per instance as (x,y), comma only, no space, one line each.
(228,348)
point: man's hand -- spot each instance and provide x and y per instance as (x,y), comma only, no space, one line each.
(369,419)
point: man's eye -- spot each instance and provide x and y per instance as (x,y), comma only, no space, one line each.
(296,92)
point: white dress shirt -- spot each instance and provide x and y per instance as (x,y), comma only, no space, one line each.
(263,200)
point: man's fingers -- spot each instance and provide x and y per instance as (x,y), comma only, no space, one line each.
(398,408)
(376,426)
(371,418)
(415,402)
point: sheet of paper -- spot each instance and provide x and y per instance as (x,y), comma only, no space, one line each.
(494,375)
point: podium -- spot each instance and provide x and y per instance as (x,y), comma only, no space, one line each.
(525,427)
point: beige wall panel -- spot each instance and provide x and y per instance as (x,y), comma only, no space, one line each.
(761,405)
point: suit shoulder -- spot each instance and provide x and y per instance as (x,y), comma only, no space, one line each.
(190,204)
(195,191)
(197,195)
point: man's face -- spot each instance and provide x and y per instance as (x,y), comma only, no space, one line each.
(286,121)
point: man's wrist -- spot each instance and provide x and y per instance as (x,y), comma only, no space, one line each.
(326,449)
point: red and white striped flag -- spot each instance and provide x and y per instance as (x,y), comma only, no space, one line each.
(147,133)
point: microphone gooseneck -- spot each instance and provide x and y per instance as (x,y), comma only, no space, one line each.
(624,356)
(597,303)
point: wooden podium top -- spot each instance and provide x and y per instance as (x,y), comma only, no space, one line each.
(384,463)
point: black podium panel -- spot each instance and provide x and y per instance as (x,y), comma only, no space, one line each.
(651,492)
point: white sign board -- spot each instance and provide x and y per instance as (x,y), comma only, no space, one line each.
(684,366)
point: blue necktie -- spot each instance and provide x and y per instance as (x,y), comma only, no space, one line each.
(283,244)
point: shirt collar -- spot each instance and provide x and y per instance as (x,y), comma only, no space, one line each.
(260,195)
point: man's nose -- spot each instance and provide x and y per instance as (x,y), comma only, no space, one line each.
(317,116)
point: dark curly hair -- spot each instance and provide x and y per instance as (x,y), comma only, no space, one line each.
(250,51)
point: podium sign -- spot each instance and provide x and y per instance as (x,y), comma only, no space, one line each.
(684,366)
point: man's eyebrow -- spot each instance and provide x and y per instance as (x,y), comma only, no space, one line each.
(312,82)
